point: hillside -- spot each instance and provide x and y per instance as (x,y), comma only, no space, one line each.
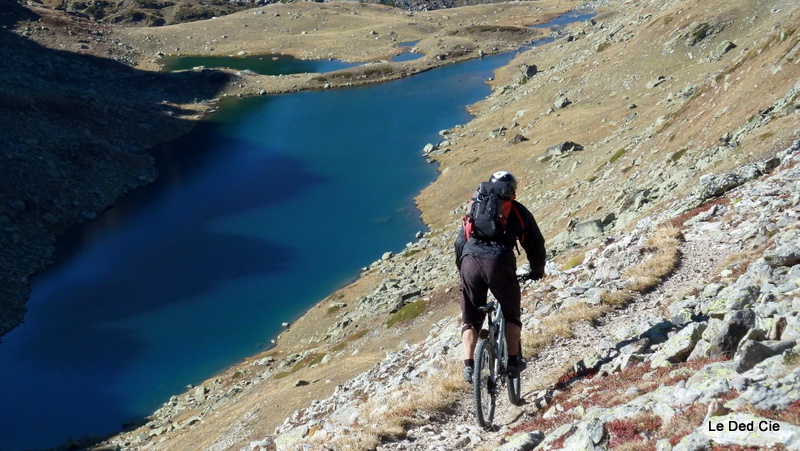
(671,222)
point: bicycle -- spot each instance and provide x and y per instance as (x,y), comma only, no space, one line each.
(491,366)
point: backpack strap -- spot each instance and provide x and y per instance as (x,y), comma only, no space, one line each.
(522,225)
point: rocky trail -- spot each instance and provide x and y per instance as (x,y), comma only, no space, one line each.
(693,270)
(721,327)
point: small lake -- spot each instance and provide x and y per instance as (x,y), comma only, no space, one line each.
(260,64)
(258,214)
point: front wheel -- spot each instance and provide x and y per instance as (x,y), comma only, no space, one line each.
(484,383)
(514,386)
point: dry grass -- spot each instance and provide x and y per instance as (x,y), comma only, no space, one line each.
(357,441)
(412,407)
(559,325)
(660,256)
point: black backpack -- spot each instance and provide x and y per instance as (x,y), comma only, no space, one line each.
(488,212)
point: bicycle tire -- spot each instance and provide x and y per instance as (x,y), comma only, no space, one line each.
(514,385)
(484,383)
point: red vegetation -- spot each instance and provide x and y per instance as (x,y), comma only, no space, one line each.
(678,221)
(641,428)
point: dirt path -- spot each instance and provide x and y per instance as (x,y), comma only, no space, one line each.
(694,270)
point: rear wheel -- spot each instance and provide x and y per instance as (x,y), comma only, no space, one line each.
(514,386)
(484,382)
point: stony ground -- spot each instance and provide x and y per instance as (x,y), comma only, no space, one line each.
(754,384)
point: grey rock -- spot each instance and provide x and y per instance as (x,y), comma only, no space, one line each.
(588,363)
(715,185)
(679,347)
(700,351)
(681,318)
(635,347)
(714,327)
(693,442)
(563,148)
(786,434)
(655,82)
(588,435)
(529,70)
(723,48)
(561,102)
(751,353)
(586,231)
(708,382)
(523,442)
(787,254)
(518,138)
(712,289)
(727,340)
(735,298)
(792,330)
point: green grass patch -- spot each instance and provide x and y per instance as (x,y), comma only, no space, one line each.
(617,155)
(574,261)
(677,155)
(491,29)
(603,46)
(309,360)
(349,339)
(408,312)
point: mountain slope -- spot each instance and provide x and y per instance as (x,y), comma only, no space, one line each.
(669,103)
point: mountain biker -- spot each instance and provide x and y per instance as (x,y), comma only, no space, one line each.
(491,265)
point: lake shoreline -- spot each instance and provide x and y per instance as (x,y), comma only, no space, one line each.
(40,237)
(236,85)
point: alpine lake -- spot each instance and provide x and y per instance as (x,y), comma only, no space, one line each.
(264,209)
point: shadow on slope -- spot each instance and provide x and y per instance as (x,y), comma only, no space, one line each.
(74,128)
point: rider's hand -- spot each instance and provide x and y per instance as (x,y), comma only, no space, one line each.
(529,275)
(535,275)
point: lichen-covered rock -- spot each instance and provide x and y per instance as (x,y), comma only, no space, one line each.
(748,430)
(523,442)
(678,348)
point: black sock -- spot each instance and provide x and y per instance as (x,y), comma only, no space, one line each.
(513,359)
(470,363)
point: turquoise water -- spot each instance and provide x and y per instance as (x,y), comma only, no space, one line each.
(259,214)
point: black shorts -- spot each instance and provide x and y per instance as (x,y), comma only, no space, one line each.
(481,273)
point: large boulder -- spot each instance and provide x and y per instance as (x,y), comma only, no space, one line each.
(725,343)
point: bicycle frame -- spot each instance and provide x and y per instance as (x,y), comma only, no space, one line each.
(497,336)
